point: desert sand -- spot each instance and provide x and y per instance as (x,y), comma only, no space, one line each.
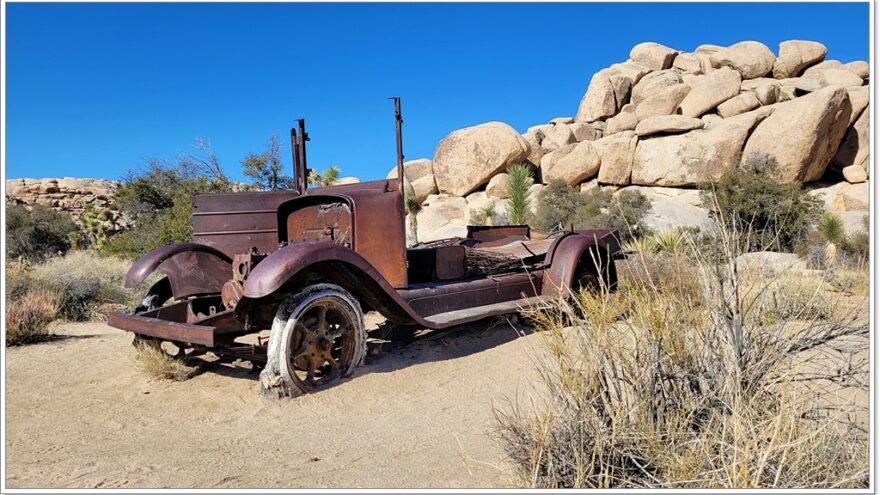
(81,414)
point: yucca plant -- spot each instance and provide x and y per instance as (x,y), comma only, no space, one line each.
(412,207)
(668,241)
(519,179)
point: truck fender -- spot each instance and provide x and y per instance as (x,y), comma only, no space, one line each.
(573,251)
(191,268)
(310,262)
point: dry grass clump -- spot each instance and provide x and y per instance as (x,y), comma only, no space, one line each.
(81,280)
(76,287)
(158,364)
(688,377)
(28,318)
(786,298)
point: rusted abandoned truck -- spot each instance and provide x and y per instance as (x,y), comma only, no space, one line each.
(308,263)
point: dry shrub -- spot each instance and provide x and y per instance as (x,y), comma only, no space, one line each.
(82,281)
(158,364)
(28,318)
(673,381)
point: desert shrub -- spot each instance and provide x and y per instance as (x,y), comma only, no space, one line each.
(829,245)
(159,200)
(266,170)
(158,364)
(80,281)
(673,382)
(558,205)
(787,298)
(36,232)
(519,179)
(484,216)
(28,317)
(561,207)
(775,214)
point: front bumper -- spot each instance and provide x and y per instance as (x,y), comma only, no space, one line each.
(182,322)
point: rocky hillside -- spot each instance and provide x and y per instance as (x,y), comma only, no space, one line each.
(662,122)
(68,195)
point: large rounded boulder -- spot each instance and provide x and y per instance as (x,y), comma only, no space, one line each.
(467,158)
(802,135)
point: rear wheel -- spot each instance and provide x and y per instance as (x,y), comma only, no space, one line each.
(318,338)
(595,272)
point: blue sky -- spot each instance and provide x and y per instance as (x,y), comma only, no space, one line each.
(94,89)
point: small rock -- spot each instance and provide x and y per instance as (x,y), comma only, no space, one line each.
(795,56)
(669,124)
(573,163)
(854,174)
(859,68)
(750,58)
(717,87)
(652,84)
(738,104)
(653,55)
(620,122)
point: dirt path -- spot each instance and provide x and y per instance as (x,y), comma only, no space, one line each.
(79,413)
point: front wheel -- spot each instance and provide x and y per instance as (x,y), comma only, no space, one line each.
(318,338)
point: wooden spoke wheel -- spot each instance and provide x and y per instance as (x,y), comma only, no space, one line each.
(318,338)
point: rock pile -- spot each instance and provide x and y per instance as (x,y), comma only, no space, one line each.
(671,119)
(68,195)
(662,122)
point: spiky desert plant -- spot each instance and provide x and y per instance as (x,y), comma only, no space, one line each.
(412,207)
(519,179)
(485,215)
(668,241)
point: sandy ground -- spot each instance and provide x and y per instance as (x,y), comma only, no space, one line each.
(79,413)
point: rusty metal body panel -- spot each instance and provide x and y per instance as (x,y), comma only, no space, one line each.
(191,268)
(569,252)
(235,222)
(367,217)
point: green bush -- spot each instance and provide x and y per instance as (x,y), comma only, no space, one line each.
(37,232)
(561,207)
(159,199)
(775,215)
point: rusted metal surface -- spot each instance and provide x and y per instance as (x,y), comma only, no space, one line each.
(236,222)
(373,226)
(398,131)
(491,233)
(148,263)
(574,251)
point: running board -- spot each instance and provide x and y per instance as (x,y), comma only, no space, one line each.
(461,316)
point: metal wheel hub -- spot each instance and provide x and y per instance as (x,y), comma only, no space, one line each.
(321,344)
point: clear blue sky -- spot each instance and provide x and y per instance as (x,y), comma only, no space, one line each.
(93,89)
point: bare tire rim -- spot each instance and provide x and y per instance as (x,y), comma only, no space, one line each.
(322,343)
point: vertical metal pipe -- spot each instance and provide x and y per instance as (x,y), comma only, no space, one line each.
(294,151)
(398,127)
(303,176)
